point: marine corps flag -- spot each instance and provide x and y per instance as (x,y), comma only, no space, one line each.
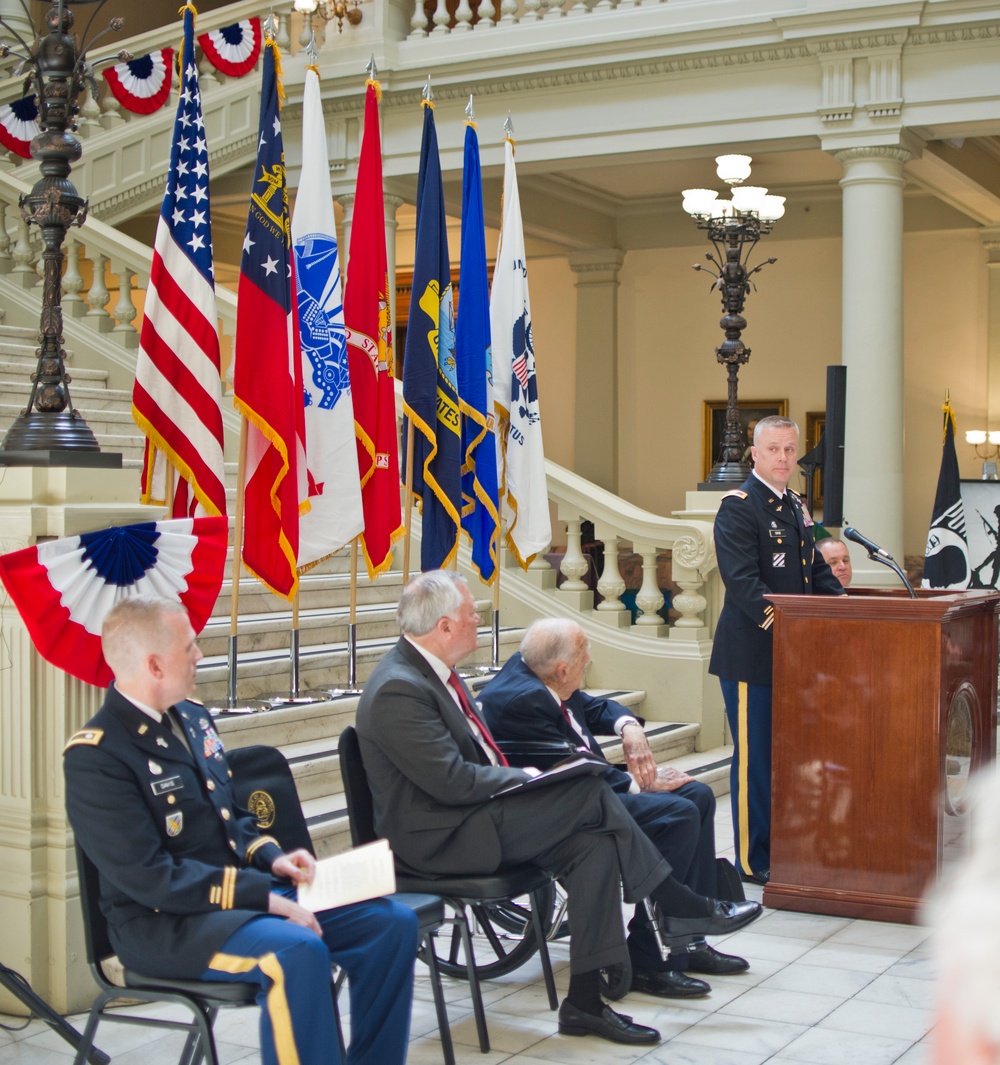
(369,351)
(267,378)
(430,382)
(475,373)
(946,559)
(524,495)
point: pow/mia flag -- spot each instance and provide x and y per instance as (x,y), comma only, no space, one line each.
(946,557)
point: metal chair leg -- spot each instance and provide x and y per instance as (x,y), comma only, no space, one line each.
(543,950)
(439,1004)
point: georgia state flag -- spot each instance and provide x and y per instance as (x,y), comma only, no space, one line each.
(63,589)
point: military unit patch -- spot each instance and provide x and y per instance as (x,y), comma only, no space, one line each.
(778,560)
(175,823)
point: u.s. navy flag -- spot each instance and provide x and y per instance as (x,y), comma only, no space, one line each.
(524,496)
(267,379)
(475,383)
(946,559)
(369,352)
(177,395)
(430,382)
(335,516)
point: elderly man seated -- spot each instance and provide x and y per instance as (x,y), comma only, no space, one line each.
(838,558)
(537,696)
(435,774)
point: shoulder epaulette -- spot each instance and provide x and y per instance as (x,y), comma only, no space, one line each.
(88,737)
(737,492)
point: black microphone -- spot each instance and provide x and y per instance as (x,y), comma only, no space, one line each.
(870,546)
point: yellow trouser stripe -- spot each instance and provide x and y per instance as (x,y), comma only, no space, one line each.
(742,726)
(277,1001)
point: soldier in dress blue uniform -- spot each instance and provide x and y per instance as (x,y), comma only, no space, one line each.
(190,887)
(764,543)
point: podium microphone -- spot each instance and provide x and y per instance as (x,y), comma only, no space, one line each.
(869,545)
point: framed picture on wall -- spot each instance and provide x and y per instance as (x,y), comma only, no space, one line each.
(815,424)
(751,412)
(981,502)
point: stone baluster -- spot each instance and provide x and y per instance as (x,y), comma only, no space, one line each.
(531,10)
(98,297)
(208,76)
(487,13)
(111,112)
(649,598)
(463,16)
(72,282)
(574,563)
(125,310)
(688,554)
(282,38)
(6,262)
(307,30)
(610,583)
(24,256)
(418,23)
(577,8)
(88,122)
(441,17)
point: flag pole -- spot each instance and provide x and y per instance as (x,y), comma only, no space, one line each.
(408,496)
(168,495)
(296,696)
(231,706)
(352,626)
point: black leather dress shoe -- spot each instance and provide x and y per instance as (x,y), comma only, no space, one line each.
(709,960)
(756,878)
(607,1024)
(668,984)
(721,919)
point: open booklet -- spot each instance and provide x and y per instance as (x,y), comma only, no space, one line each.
(579,765)
(366,872)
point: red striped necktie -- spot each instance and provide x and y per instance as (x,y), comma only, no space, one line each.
(480,726)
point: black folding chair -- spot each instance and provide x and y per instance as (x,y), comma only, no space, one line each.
(203,998)
(264,784)
(459,892)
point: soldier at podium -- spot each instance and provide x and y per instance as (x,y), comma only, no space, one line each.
(764,542)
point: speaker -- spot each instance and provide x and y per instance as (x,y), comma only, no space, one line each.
(833,458)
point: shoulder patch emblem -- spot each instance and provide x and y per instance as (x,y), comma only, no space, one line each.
(737,492)
(88,737)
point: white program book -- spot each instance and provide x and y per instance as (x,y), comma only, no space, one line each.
(362,873)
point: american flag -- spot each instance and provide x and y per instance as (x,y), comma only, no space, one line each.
(520,368)
(178,392)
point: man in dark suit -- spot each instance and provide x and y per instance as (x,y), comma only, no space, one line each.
(764,543)
(191,889)
(434,770)
(537,696)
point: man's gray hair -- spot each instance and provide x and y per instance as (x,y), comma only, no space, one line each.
(135,627)
(427,598)
(548,642)
(773,421)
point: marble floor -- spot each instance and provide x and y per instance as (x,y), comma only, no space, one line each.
(820,991)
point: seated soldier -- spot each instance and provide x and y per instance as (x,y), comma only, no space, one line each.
(537,697)
(190,887)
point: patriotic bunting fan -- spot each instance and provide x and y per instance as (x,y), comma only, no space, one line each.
(64,588)
(19,125)
(233,50)
(142,85)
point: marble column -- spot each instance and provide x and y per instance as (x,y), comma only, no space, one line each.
(392,205)
(12,13)
(991,241)
(872,347)
(596,438)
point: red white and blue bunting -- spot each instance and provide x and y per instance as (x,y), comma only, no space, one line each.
(142,85)
(63,589)
(19,125)
(233,50)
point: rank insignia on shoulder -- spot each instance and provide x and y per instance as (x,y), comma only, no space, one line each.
(175,823)
(88,737)
(737,492)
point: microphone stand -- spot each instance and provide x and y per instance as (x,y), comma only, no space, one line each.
(888,560)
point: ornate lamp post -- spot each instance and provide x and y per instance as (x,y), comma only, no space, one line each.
(49,431)
(734,226)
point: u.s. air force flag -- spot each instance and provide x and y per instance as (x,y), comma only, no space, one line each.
(524,495)
(946,559)
(336,515)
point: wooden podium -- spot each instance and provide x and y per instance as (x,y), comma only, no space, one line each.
(882,707)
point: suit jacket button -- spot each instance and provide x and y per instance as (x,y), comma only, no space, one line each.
(232,843)
(211,785)
(225,814)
